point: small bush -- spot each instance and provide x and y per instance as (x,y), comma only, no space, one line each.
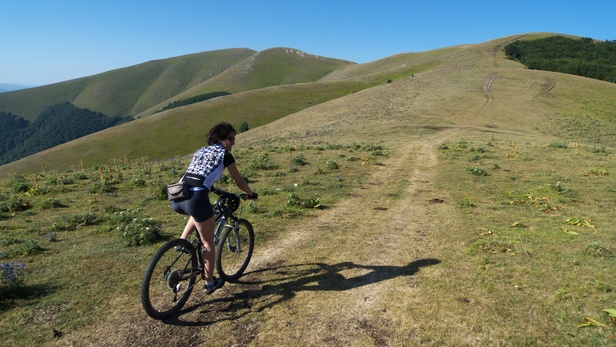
(15,203)
(444,146)
(478,149)
(261,162)
(80,176)
(158,189)
(595,249)
(134,228)
(599,150)
(476,171)
(51,236)
(138,182)
(558,145)
(20,184)
(28,247)
(376,150)
(67,180)
(299,160)
(51,203)
(464,203)
(102,187)
(313,202)
(332,165)
(294,200)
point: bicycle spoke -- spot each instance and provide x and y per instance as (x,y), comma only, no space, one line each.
(169,280)
(234,251)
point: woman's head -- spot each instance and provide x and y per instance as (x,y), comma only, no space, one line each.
(220,132)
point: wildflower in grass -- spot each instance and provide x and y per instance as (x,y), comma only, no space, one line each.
(12,274)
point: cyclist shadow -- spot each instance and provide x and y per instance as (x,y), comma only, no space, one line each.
(283,282)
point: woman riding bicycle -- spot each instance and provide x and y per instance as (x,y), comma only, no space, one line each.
(206,168)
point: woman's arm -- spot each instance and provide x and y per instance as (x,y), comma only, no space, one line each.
(241,184)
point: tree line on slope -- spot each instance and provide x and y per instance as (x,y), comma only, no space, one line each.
(582,57)
(54,126)
(192,100)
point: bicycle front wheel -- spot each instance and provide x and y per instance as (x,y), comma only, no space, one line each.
(169,279)
(234,250)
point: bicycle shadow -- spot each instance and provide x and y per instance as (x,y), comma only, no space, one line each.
(283,282)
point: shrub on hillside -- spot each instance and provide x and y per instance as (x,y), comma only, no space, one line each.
(134,228)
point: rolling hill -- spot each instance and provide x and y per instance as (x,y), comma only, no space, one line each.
(143,89)
(275,83)
(134,89)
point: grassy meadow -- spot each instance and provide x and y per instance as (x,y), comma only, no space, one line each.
(428,211)
(85,235)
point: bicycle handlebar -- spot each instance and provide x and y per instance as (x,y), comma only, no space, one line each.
(242,196)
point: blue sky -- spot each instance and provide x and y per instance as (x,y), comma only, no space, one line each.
(48,41)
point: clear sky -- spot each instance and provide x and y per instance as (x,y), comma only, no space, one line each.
(48,41)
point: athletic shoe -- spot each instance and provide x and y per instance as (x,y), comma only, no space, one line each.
(218,283)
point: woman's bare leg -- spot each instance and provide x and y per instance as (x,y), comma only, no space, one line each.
(206,232)
(188,229)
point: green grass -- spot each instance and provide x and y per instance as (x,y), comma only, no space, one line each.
(71,237)
(538,234)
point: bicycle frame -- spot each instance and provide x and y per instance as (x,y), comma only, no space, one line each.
(221,222)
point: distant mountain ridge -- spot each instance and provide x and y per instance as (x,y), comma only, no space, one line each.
(9,87)
(132,90)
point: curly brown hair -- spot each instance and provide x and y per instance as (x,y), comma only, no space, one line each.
(219,132)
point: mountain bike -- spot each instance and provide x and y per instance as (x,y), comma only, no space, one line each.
(176,266)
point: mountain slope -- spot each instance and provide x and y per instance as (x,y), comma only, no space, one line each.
(125,91)
(271,67)
(134,89)
(171,132)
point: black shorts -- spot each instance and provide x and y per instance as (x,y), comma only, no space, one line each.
(197,205)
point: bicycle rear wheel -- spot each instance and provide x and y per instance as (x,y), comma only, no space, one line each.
(234,250)
(169,279)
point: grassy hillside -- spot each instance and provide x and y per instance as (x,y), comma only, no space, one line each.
(128,90)
(143,89)
(272,67)
(468,205)
(171,132)
(134,89)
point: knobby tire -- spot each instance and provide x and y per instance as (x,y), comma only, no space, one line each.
(169,279)
(232,253)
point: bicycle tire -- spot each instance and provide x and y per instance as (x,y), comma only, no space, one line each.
(169,279)
(233,252)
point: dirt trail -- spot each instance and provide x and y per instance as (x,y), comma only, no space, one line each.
(346,273)
(366,246)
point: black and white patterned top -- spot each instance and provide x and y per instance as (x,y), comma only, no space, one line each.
(210,162)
